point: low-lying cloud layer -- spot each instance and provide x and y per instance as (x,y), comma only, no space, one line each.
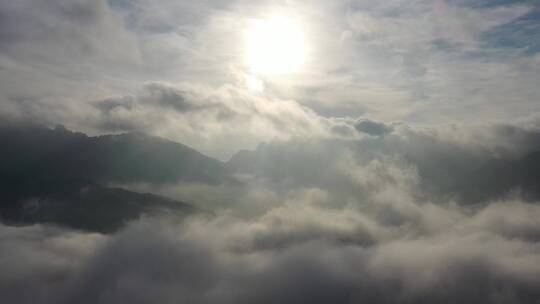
(298,252)
(362,226)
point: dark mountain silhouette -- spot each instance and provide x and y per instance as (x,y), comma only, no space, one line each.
(468,179)
(52,154)
(59,176)
(497,177)
(90,207)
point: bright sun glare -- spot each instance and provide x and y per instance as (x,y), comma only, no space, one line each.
(275,46)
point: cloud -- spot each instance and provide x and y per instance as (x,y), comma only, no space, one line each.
(227,114)
(271,259)
(38,261)
(389,62)
(373,128)
(54,55)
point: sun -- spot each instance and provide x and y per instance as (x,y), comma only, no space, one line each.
(275,46)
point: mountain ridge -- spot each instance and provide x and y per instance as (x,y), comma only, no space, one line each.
(61,177)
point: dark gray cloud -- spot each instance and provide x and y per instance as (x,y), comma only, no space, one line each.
(67,32)
(373,128)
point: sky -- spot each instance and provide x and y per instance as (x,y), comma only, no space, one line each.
(181,69)
(234,151)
